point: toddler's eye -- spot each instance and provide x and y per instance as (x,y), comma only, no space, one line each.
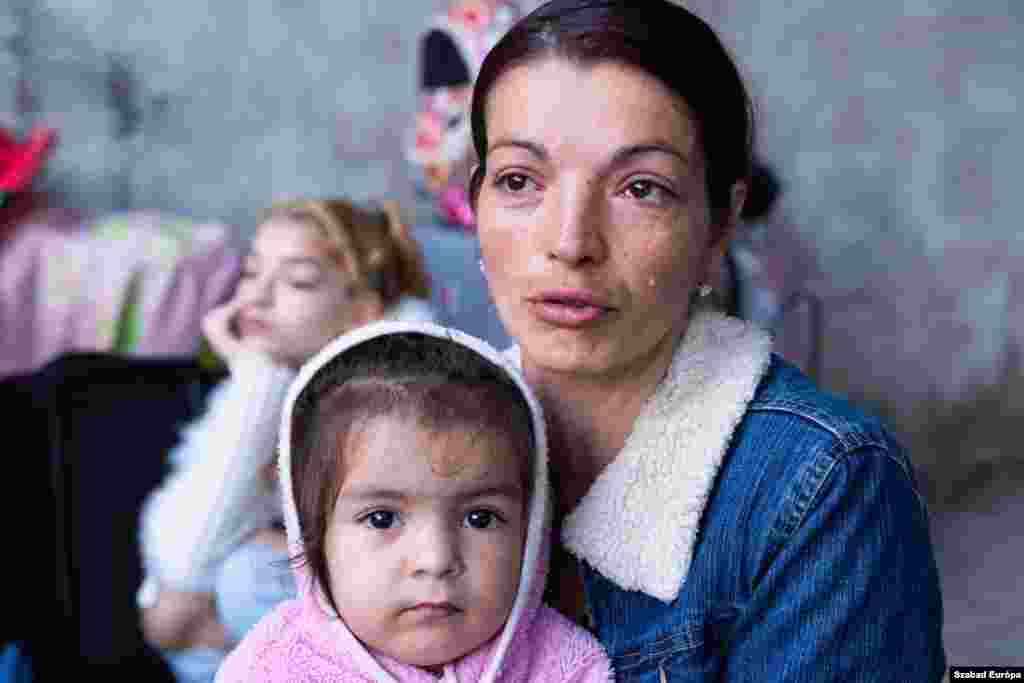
(481,519)
(381,519)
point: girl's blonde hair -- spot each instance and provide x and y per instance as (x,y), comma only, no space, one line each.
(373,245)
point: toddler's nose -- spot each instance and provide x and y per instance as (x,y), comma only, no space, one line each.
(438,554)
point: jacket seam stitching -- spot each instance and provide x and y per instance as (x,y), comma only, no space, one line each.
(638,658)
(850,440)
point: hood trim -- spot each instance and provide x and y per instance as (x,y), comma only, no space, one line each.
(539,517)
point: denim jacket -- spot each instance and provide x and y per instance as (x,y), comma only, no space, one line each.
(754,528)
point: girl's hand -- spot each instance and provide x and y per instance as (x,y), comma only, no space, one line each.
(182,620)
(219,326)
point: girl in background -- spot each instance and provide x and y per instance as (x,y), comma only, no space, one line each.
(211,537)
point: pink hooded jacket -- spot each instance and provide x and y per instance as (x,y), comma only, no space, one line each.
(304,640)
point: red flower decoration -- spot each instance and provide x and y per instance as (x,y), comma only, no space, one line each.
(19,162)
(473,13)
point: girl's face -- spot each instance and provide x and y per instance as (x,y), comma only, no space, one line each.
(424,546)
(293,296)
(593,217)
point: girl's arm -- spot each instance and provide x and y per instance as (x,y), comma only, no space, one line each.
(220,493)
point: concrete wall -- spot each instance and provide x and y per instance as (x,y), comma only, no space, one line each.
(895,125)
(214,108)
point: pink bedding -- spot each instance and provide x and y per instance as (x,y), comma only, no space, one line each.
(133,282)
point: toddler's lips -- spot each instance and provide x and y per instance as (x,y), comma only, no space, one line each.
(434,609)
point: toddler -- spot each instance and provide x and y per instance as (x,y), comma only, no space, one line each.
(413,468)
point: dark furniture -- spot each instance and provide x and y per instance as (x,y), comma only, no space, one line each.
(88,439)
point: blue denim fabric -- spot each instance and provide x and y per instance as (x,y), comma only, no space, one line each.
(813,562)
(15,664)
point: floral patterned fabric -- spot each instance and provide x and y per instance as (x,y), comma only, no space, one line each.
(439,144)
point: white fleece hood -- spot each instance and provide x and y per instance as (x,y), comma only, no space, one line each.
(336,636)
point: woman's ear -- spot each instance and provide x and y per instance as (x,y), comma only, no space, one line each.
(724,234)
(716,273)
(738,198)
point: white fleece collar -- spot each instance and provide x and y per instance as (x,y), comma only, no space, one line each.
(637,523)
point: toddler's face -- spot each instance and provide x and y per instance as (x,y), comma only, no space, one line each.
(424,547)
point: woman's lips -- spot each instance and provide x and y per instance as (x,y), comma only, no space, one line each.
(569,308)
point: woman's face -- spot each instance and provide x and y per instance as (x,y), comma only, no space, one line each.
(593,215)
(293,296)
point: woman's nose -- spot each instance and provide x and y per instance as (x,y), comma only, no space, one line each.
(575,223)
(437,553)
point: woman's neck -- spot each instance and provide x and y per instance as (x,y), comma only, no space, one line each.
(589,418)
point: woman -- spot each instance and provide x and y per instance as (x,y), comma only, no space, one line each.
(723,519)
(215,554)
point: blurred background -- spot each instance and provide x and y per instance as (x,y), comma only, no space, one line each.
(893,130)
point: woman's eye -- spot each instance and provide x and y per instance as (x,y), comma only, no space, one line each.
(481,519)
(512,182)
(381,519)
(247,274)
(647,189)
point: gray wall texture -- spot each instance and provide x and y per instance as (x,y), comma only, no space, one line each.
(214,108)
(894,126)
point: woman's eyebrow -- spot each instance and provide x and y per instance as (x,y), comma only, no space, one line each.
(533,148)
(629,152)
(621,156)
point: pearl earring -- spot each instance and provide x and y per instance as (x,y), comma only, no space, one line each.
(703,290)
(481,264)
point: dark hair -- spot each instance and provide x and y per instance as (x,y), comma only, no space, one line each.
(764,191)
(658,37)
(436,382)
